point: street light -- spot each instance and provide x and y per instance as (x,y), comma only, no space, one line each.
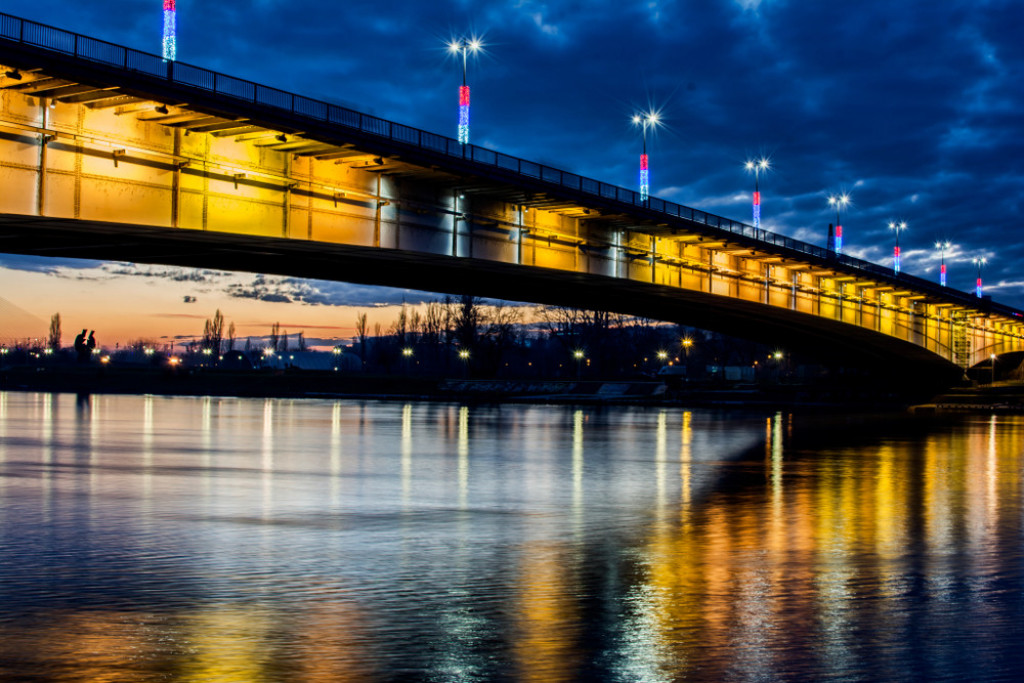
(579,355)
(942,247)
(463,46)
(839,201)
(897,226)
(979,261)
(686,343)
(755,166)
(644,120)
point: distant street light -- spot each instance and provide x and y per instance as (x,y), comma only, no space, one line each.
(644,120)
(942,247)
(686,344)
(839,201)
(580,356)
(662,355)
(407,352)
(463,46)
(898,227)
(755,166)
(979,261)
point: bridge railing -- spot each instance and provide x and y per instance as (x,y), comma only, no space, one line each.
(94,50)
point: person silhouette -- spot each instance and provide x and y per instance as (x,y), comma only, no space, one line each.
(90,343)
(82,348)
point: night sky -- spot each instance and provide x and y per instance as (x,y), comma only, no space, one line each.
(915,108)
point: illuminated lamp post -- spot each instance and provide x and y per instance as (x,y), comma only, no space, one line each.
(579,355)
(463,46)
(170,48)
(979,261)
(893,225)
(755,166)
(839,201)
(942,247)
(645,120)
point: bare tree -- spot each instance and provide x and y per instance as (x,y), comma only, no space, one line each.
(54,339)
(275,335)
(361,333)
(213,332)
(300,341)
(400,328)
(467,320)
(231,337)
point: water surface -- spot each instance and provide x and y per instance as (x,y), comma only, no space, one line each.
(213,539)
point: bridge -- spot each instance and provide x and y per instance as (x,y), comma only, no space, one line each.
(111,153)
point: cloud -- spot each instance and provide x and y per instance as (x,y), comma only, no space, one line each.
(322,293)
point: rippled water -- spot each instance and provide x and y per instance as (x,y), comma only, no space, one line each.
(146,538)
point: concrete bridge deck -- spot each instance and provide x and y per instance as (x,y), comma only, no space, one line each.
(111,153)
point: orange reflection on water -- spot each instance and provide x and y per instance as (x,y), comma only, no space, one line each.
(808,558)
(546,616)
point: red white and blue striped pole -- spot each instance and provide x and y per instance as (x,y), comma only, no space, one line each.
(463,46)
(755,166)
(942,247)
(170,47)
(902,225)
(839,201)
(645,120)
(979,261)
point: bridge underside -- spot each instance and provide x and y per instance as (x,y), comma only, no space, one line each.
(827,339)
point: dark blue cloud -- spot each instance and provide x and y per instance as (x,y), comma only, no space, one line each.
(915,107)
(50,266)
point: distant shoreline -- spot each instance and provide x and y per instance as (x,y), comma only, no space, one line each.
(332,385)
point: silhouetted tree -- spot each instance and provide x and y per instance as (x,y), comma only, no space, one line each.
(213,332)
(361,333)
(231,337)
(54,339)
(275,335)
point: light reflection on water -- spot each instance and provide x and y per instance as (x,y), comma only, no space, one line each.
(146,538)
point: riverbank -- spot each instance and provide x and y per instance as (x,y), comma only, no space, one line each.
(1000,397)
(95,379)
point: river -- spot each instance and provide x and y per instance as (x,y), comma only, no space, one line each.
(217,539)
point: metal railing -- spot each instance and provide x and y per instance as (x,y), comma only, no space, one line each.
(91,49)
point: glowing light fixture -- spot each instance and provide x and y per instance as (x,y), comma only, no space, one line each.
(644,120)
(942,247)
(840,201)
(755,166)
(979,261)
(897,226)
(170,44)
(464,46)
